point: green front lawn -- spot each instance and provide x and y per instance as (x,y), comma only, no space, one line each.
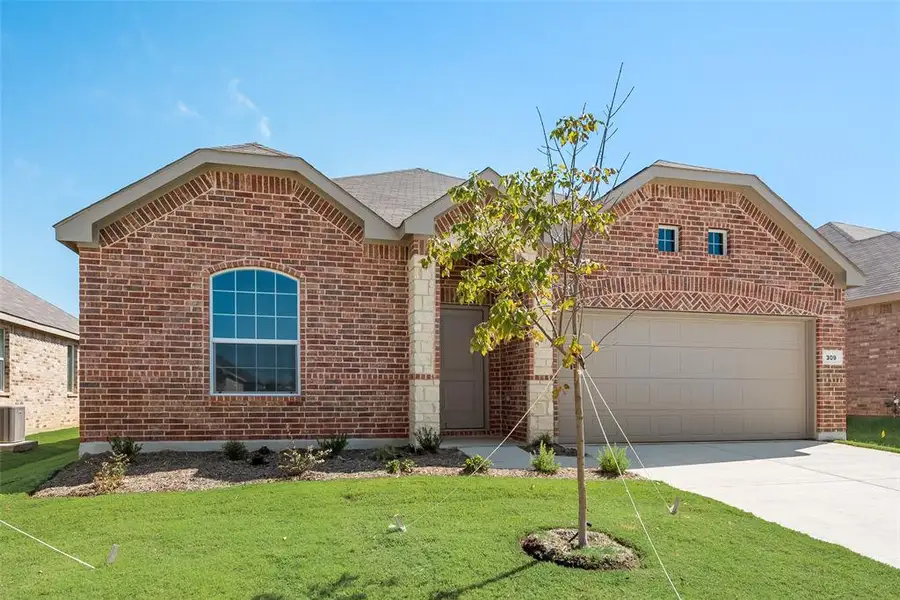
(866,432)
(328,540)
(23,471)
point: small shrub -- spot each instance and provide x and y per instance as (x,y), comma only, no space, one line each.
(477,464)
(428,439)
(264,451)
(399,466)
(545,461)
(295,462)
(385,453)
(334,445)
(609,458)
(545,439)
(258,458)
(111,474)
(124,446)
(235,450)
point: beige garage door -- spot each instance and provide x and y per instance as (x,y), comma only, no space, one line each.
(695,377)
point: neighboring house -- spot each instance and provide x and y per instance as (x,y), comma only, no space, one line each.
(873,317)
(239,293)
(38,359)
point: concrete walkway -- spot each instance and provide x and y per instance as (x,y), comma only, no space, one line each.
(841,494)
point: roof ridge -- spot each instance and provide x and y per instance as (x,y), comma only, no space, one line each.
(235,148)
(396,171)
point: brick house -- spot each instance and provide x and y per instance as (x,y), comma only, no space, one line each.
(38,357)
(873,317)
(240,293)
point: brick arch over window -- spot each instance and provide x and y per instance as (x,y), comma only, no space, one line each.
(699,294)
(255,263)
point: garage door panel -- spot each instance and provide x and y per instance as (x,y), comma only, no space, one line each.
(685,376)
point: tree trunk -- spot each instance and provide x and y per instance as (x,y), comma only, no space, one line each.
(579,448)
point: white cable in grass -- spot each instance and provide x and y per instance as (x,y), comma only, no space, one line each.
(628,491)
(488,457)
(78,560)
(627,441)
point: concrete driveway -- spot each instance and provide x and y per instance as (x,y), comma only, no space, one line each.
(841,494)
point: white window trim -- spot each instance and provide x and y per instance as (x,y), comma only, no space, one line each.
(72,369)
(214,340)
(674,228)
(724,241)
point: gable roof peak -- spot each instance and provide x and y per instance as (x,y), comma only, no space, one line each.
(251,148)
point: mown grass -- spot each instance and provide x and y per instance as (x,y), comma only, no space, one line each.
(866,432)
(23,471)
(323,540)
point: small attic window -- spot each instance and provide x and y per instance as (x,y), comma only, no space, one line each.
(667,238)
(717,242)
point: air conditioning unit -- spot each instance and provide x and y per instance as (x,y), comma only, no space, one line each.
(12,424)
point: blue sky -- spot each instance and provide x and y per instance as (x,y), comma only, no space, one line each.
(95,96)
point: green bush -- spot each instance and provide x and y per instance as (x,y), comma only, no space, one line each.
(258,459)
(613,460)
(545,439)
(428,439)
(111,474)
(477,464)
(124,446)
(235,450)
(334,445)
(295,462)
(385,453)
(545,460)
(399,466)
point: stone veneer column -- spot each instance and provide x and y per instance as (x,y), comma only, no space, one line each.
(540,419)
(424,384)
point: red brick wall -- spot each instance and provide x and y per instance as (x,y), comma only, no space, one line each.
(145,316)
(873,358)
(764,272)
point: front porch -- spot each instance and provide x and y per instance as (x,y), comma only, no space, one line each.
(462,394)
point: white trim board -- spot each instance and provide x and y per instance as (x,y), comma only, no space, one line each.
(38,326)
(216,445)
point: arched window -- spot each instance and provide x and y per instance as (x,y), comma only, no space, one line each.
(254,333)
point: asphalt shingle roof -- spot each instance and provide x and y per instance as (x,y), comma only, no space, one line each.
(393,195)
(875,252)
(396,195)
(19,302)
(252,148)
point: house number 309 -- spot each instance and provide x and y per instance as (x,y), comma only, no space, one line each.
(832,357)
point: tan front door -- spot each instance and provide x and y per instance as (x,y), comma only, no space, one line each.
(696,377)
(462,372)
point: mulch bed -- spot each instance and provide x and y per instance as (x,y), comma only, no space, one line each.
(187,471)
(603,552)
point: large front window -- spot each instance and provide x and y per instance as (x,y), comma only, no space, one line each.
(255,333)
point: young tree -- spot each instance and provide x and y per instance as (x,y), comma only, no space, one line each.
(522,247)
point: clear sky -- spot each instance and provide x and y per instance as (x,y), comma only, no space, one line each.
(95,96)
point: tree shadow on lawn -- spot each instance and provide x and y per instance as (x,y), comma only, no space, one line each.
(345,587)
(457,592)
